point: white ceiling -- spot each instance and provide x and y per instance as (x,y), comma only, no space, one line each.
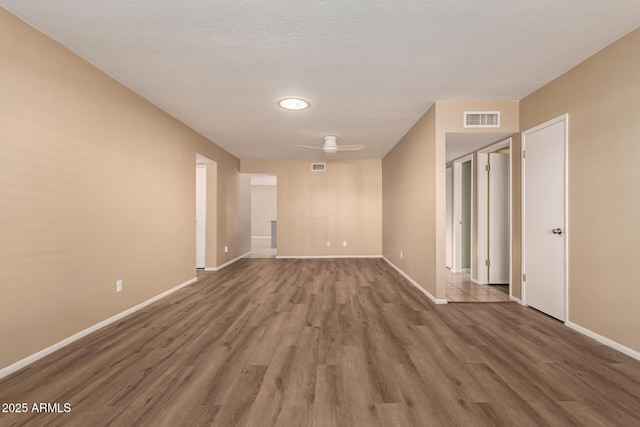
(370,68)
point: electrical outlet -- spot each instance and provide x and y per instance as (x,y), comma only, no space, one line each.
(400,254)
(328,244)
(344,243)
(226,249)
(119,285)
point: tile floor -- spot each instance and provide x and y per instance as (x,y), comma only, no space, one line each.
(261,248)
(460,288)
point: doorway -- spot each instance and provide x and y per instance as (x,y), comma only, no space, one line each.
(544,217)
(264,215)
(462,213)
(201,214)
(206,213)
(481,149)
(494,214)
(449,220)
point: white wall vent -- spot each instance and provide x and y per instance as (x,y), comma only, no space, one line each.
(482,119)
(318,167)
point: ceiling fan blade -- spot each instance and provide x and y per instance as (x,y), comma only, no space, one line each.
(312,148)
(350,147)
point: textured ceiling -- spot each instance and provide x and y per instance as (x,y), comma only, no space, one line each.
(370,68)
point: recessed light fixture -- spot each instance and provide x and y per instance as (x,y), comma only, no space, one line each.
(291,103)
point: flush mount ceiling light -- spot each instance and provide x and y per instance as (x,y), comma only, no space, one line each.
(291,103)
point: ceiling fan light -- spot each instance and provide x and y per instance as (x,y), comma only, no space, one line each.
(331,141)
(293,103)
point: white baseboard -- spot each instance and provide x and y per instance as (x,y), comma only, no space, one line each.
(260,237)
(57,346)
(326,256)
(604,340)
(226,264)
(601,339)
(414,283)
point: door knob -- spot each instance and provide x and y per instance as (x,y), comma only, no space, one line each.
(557,231)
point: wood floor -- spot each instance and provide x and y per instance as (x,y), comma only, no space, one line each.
(328,343)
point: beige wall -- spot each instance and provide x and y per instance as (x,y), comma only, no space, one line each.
(408,201)
(96,185)
(343,203)
(602,98)
(263,209)
(234,213)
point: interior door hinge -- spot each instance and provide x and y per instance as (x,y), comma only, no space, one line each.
(487,263)
(524,154)
(524,277)
(487,168)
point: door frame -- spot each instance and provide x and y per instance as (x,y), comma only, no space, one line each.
(449,221)
(210,199)
(201,215)
(563,118)
(483,161)
(457,214)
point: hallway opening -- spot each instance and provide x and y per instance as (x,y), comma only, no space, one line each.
(264,213)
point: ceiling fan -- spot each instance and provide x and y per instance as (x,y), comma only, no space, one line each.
(331,146)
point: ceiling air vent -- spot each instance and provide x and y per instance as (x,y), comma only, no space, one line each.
(318,167)
(482,119)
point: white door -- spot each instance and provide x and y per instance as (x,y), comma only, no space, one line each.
(544,233)
(449,242)
(498,234)
(482,218)
(201,214)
